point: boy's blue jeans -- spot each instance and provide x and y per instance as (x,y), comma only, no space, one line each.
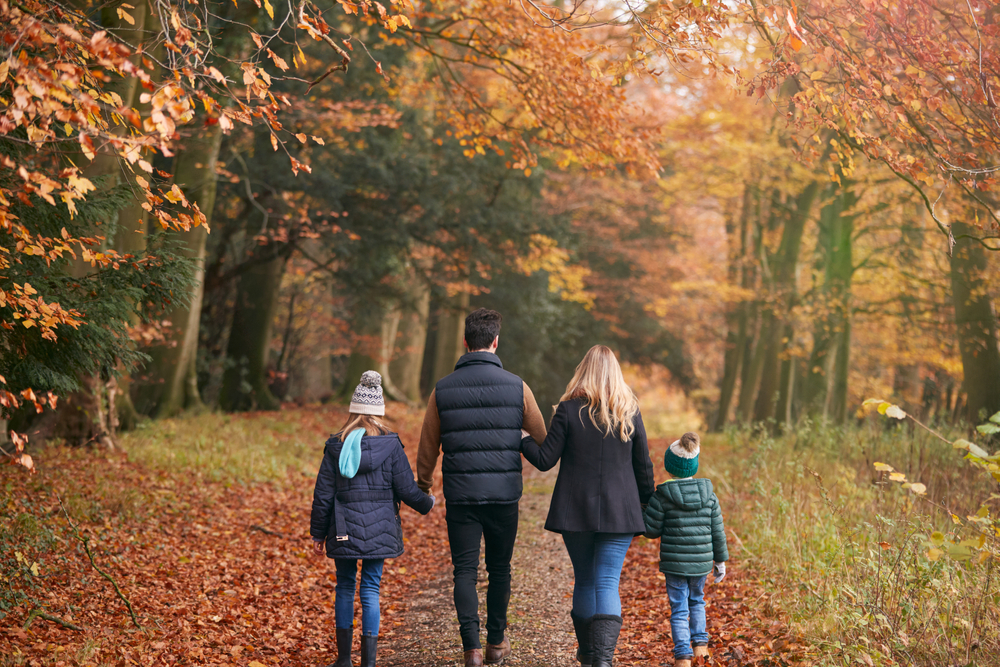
(687,613)
(371,580)
(597,567)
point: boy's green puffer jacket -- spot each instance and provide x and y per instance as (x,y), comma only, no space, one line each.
(685,515)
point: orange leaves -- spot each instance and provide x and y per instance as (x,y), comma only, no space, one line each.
(279,62)
(908,85)
(530,86)
(795,39)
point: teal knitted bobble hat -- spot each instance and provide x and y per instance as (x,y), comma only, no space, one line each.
(681,458)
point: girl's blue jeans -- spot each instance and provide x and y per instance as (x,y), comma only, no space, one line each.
(597,567)
(687,613)
(371,580)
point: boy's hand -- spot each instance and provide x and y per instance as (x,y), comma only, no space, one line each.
(318,546)
(434,501)
(719,571)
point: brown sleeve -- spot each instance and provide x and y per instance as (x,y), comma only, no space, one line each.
(430,446)
(534,423)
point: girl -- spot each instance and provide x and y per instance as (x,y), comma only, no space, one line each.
(604,480)
(355,512)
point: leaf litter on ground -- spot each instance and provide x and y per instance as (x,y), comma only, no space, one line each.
(220,571)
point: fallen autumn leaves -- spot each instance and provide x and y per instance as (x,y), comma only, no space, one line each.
(221,573)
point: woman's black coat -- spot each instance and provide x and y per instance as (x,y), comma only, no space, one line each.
(603,482)
(368,503)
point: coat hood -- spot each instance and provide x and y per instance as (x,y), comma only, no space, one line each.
(688,494)
(375,449)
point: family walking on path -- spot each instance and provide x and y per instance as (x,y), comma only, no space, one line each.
(481,419)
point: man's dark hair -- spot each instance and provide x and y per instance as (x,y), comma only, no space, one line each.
(481,327)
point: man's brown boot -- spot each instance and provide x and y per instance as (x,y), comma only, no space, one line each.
(495,653)
(700,651)
(474,657)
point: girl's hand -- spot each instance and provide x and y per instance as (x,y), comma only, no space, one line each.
(318,546)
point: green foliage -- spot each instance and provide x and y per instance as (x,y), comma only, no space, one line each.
(846,550)
(108,299)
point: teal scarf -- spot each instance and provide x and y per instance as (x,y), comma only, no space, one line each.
(350,454)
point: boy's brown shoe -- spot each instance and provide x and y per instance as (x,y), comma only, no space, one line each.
(700,651)
(474,657)
(495,653)
(683,662)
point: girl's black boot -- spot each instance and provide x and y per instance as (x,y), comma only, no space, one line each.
(344,638)
(369,647)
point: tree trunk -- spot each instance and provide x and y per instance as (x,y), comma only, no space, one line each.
(173,386)
(976,321)
(245,382)
(96,412)
(837,406)
(774,336)
(375,326)
(831,334)
(736,317)
(450,343)
(406,366)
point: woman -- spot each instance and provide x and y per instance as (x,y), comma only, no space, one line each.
(355,512)
(605,478)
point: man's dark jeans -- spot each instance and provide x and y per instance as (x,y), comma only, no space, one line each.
(467,526)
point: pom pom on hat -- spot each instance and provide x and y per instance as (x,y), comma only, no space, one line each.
(681,461)
(367,399)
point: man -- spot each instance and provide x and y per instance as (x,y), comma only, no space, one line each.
(475,415)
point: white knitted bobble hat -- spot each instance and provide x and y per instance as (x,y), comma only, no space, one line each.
(367,399)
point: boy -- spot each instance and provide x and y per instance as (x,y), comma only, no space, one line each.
(684,513)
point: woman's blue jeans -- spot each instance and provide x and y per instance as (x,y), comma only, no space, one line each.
(687,613)
(371,580)
(597,566)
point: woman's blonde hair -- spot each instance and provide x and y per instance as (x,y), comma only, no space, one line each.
(598,380)
(372,425)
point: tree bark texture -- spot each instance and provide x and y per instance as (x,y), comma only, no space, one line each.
(450,343)
(823,388)
(736,315)
(245,382)
(173,384)
(406,366)
(773,336)
(976,322)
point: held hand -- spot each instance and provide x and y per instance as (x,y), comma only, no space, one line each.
(318,546)
(524,434)
(719,572)
(433,501)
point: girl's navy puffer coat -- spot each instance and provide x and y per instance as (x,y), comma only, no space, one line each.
(365,508)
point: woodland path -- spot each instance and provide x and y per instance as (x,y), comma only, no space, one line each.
(538,618)
(221,574)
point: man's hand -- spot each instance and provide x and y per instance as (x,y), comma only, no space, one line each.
(318,547)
